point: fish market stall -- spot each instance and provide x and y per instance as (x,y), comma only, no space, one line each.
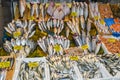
(62,41)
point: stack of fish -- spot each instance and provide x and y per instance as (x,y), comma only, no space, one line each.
(20,45)
(80,9)
(54,44)
(99,22)
(88,68)
(112,63)
(18,28)
(81,37)
(58,25)
(61,68)
(32,72)
(35,9)
(41,10)
(3,68)
(58,12)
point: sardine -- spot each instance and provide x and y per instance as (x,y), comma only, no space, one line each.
(89,43)
(22,6)
(93,43)
(85,11)
(82,21)
(97,47)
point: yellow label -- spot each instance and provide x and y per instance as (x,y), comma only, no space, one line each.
(96,17)
(72,32)
(102,22)
(18,47)
(111,40)
(33,64)
(44,33)
(28,5)
(74,58)
(118,54)
(84,47)
(69,5)
(57,48)
(16,34)
(73,14)
(32,18)
(5,64)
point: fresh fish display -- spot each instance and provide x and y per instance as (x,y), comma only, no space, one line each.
(55,24)
(88,67)
(18,28)
(21,46)
(69,35)
(112,45)
(112,63)
(98,21)
(58,12)
(54,44)
(28,71)
(61,68)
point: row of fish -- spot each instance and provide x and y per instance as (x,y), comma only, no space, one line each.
(19,45)
(112,63)
(57,12)
(89,66)
(28,72)
(56,24)
(18,28)
(54,44)
(61,68)
(81,9)
(99,22)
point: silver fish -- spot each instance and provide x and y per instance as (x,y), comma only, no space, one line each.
(97,47)
(89,43)
(93,43)
(22,6)
(85,11)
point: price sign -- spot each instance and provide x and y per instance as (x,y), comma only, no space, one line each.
(33,64)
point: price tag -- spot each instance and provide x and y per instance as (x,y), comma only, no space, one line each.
(118,54)
(74,58)
(57,48)
(84,47)
(44,33)
(69,5)
(96,17)
(18,47)
(28,5)
(32,18)
(72,32)
(73,14)
(16,34)
(102,22)
(111,40)
(5,64)
(33,64)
